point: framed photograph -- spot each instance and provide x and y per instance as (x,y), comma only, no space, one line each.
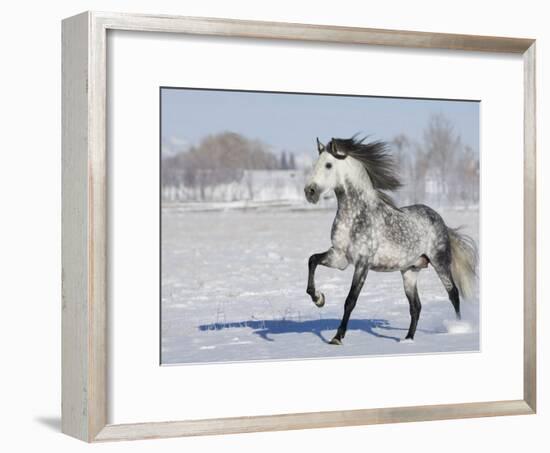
(272,226)
(246,192)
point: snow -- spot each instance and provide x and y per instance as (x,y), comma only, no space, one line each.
(458,327)
(234,280)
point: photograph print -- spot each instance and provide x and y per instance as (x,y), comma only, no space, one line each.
(304,226)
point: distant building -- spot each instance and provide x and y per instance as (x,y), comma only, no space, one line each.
(254,185)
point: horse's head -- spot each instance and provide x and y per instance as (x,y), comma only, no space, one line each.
(366,166)
(328,171)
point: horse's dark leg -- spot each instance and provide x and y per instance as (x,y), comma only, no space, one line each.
(330,258)
(455,300)
(442,265)
(314,260)
(410,277)
(359,276)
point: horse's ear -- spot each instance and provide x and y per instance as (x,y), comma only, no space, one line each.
(336,152)
(320,146)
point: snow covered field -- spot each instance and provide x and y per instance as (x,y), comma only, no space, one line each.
(233,289)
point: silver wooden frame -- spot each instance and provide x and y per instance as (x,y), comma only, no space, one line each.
(84,352)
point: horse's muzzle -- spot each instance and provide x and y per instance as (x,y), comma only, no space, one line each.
(312,192)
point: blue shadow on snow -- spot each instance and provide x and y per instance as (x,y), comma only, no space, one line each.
(267,327)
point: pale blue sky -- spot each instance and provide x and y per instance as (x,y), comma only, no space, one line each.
(292,121)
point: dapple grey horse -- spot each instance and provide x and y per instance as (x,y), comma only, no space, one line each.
(371,233)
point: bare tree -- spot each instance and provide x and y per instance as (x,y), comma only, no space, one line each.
(403,160)
(218,159)
(401,143)
(441,146)
(419,172)
(284,163)
(467,177)
(292,162)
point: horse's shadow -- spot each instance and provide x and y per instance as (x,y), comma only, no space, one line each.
(265,328)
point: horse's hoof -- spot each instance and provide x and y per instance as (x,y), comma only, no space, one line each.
(336,341)
(319,299)
(407,340)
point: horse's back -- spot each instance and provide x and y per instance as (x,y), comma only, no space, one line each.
(431,222)
(425,214)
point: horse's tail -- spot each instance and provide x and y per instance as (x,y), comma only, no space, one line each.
(463,261)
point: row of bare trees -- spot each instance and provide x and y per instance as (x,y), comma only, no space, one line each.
(439,169)
(218,159)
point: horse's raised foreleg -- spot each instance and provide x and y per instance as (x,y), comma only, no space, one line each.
(359,276)
(410,277)
(331,258)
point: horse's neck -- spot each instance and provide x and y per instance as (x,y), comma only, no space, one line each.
(353,199)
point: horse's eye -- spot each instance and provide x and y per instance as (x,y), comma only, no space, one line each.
(328,165)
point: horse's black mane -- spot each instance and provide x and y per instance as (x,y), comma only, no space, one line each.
(375,157)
